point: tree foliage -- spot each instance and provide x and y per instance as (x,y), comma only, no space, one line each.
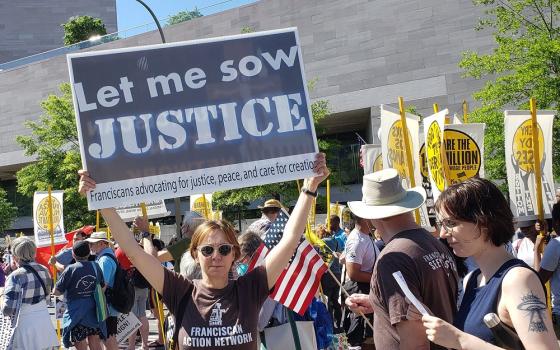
(54,142)
(80,28)
(525,63)
(183,16)
(8,212)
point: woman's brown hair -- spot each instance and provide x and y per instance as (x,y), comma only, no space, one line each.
(204,229)
(479,201)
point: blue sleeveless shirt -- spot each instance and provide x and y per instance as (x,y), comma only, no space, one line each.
(479,301)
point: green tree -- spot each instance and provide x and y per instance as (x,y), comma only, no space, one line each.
(233,200)
(8,212)
(54,142)
(183,16)
(525,63)
(80,28)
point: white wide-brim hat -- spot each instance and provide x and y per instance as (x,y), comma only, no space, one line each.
(384,196)
(98,236)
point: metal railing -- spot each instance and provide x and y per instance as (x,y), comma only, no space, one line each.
(127,33)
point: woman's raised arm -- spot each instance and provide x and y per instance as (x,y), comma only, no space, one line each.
(147,264)
(280,255)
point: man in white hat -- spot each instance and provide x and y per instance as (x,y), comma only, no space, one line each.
(99,244)
(270,210)
(426,264)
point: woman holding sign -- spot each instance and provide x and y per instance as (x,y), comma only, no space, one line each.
(215,312)
(476,220)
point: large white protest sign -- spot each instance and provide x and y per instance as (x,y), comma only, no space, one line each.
(372,158)
(41,218)
(154,209)
(127,324)
(154,125)
(519,162)
(393,149)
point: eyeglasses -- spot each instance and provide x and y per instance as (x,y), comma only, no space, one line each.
(223,249)
(447,224)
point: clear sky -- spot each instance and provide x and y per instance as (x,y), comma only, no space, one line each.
(131,13)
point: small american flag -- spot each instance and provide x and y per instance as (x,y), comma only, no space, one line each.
(300,280)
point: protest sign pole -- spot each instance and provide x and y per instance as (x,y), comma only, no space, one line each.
(536,159)
(51,231)
(337,281)
(443,151)
(408,152)
(538,182)
(97,220)
(465,112)
(314,212)
(328,205)
(205,206)
(158,302)
(347,295)
(177,203)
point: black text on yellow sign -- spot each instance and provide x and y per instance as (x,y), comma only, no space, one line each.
(198,206)
(42,213)
(423,161)
(523,152)
(463,156)
(433,154)
(396,153)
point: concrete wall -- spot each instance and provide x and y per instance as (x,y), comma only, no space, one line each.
(28,27)
(363,53)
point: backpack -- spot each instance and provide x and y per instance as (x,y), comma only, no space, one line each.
(121,295)
(138,280)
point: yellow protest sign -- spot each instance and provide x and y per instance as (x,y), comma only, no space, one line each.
(434,156)
(522,147)
(464,158)
(198,202)
(42,212)
(396,149)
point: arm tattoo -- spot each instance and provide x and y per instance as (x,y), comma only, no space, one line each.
(535,309)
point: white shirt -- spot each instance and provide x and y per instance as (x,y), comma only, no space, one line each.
(523,249)
(551,262)
(359,249)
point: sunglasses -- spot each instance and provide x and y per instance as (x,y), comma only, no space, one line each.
(224,249)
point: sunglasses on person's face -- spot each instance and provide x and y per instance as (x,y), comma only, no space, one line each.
(223,249)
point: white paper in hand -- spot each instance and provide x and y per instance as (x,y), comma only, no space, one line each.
(402,283)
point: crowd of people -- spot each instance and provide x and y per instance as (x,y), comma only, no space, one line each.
(463,271)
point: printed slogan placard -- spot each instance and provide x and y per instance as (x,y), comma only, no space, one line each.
(170,120)
(154,209)
(393,149)
(433,132)
(519,162)
(41,218)
(464,150)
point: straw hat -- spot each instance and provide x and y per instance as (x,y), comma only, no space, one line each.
(272,203)
(384,196)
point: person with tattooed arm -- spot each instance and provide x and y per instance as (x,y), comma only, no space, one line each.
(475,219)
